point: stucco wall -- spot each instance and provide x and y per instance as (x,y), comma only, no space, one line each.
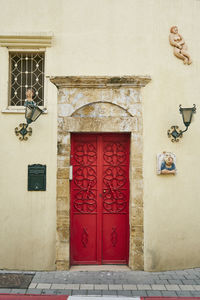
(114,37)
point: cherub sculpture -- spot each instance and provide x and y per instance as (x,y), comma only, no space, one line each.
(180,48)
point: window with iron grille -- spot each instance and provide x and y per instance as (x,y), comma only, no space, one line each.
(26,71)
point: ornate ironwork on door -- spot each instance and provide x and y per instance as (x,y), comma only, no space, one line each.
(85,157)
(100,198)
(114,177)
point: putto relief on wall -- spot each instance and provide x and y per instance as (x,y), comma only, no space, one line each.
(166,163)
(180,48)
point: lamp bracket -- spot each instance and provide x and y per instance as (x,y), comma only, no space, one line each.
(22,132)
(175,133)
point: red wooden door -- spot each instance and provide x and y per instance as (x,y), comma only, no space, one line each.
(99,199)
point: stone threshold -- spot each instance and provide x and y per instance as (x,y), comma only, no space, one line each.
(98,268)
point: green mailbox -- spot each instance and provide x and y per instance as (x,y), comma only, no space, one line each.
(37,177)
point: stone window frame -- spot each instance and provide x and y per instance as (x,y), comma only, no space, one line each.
(69,124)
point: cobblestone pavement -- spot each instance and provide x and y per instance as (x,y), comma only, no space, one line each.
(185,283)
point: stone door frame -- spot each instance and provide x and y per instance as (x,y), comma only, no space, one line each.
(74,93)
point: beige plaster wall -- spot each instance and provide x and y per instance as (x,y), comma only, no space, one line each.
(93,37)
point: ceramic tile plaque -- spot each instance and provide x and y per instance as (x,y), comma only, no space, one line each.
(166,163)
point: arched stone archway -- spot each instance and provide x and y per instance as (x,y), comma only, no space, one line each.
(100,104)
(101,109)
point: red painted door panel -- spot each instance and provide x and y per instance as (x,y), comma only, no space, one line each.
(100,199)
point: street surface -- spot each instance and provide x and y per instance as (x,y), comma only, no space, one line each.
(126,283)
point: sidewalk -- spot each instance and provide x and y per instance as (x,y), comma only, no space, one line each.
(185,283)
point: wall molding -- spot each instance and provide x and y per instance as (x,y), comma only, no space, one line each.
(100,81)
(32,40)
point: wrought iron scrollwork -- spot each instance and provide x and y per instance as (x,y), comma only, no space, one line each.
(85,178)
(114,178)
(22,131)
(174,133)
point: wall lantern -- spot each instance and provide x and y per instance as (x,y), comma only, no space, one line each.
(175,133)
(32,113)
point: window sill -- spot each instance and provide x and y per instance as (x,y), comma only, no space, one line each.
(19,110)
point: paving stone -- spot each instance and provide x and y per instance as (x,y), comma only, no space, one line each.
(101,287)
(139,293)
(158,287)
(180,272)
(106,292)
(46,280)
(143,287)
(165,277)
(154,293)
(196,293)
(172,287)
(186,287)
(197,281)
(64,292)
(65,286)
(34,291)
(124,293)
(178,277)
(95,292)
(43,286)
(164,281)
(184,293)
(173,281)
(5,291)
(79,292)
(36,278)
(32,285)
(18,291)
(49,292)
(86,287)
(129,286)
(187,282)
(142,281)
(95,281)
(168,293)
(168,272)
(191,276)
(115,287)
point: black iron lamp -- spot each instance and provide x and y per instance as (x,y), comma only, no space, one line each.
(175,133)
(32,113)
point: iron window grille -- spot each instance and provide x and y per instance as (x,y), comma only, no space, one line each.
(26,71)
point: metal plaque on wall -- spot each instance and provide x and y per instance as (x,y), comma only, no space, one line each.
(37,177)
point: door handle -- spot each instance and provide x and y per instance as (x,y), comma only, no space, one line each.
(70,172)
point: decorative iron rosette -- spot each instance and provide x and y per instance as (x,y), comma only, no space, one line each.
(174,134)
(22,132)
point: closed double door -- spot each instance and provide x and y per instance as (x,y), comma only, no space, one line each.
(99,212)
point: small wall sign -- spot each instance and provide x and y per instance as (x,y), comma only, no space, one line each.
(37,177)
(166,163)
